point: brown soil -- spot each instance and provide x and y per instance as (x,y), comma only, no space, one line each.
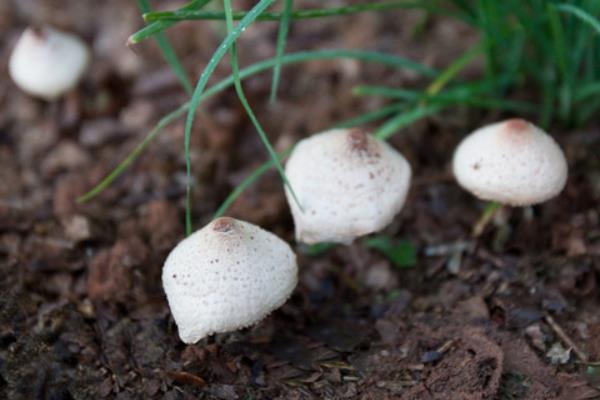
(82,311)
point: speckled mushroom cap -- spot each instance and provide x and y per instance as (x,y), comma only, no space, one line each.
(511,162)
(348,183)
(47,63)
(226,276)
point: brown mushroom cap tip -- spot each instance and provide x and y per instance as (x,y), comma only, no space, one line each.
(39,32)
(517,125)
(223,224)
(358,139)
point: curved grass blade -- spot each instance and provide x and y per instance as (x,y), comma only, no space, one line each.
(247,182)
(423,110)
(292,58)
(402,120)
(388,92)
(464,94)
(371,116)
(284,27)
(581,14)
(240,92)
(559,41)
(131,157)
(296,15)
(588,110)
(160,26)
(169,53)
(590,90)
(173,17)
(459,91)
(259,8)
(453,69)
(489,103)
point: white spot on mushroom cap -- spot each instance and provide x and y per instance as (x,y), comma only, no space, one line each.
(512,162)
(226,276)
(348,183)
(47,63)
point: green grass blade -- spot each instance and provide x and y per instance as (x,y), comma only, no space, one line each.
(240,92)
(296,15)
(384,91)
(466,7)
(402,120)
(561,59)
(284,27)
(247,182)
(450,97)
(587,91)
(402,254)
(131,157)
(485,25)
(457,92)
(371,116)
(169,53)
(495,104)
(292,58)
(316,55)
(333,54)
(314,250)
(453,69)
(548,100)
(259,8)
(588,110)
(581,14)
(159,26)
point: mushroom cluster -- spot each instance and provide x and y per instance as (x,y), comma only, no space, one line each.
(346,183)
(230,274)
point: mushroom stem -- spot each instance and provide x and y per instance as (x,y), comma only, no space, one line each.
(528,213)
(484,219)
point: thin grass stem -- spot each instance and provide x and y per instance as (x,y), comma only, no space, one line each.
(223,48)
(241,95)
(292,58)
(284,26)
(169,53)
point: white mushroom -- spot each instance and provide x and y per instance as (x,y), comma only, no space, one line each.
(348,184)
(47,63)
(511,162)
(226,276)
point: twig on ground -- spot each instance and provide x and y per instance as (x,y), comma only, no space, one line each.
(565,338)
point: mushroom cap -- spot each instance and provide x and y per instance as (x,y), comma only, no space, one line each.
(511,162)
(226,276)
(46,62)
(348,183)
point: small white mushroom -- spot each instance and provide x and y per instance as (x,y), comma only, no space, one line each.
(348,184)
(226,276)
(511,162)
(47,63)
